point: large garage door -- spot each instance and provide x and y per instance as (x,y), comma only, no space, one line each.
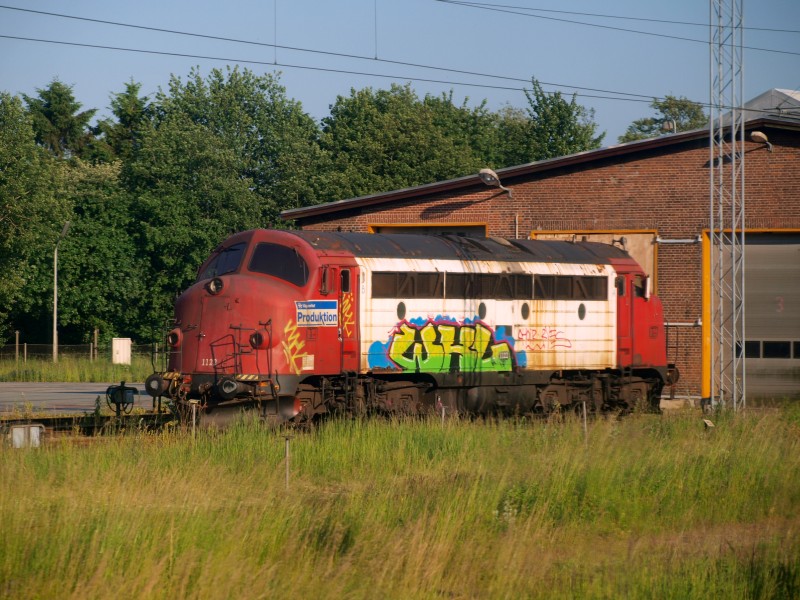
(772,315)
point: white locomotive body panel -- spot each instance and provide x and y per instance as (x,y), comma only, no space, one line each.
(472,333)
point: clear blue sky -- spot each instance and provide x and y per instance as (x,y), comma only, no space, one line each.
(506,43)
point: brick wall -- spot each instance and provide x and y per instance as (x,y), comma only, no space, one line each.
(663,189)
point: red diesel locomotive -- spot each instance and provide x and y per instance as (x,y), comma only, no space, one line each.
(303,323)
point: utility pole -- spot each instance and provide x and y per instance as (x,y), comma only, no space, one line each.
(55,291)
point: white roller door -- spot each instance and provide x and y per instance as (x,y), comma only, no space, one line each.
(772,315)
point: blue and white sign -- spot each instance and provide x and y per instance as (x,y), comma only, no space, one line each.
(317,313)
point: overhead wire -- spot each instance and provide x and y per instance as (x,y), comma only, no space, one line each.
(321,52)
(598,25)
(617,95)
(620,17)
(295,66)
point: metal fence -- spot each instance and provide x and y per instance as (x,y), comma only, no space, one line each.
(23,352)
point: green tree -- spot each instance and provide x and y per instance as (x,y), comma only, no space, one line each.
(103,274)
(556,127)
(390,139)
(471,130)
(120,138)
(31,213)
(684,113)
(58,125)
(221,154)
(513,144)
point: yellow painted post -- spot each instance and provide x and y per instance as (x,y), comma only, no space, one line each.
(705,391)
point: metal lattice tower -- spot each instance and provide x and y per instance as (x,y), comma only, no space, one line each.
(727,203)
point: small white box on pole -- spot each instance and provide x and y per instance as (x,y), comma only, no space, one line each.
(27,435)
(121,351)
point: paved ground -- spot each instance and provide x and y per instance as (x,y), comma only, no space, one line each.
(80,397)
(61,397)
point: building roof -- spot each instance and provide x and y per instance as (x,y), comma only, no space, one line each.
(774,108)
(775,102)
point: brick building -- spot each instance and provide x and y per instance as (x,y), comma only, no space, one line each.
(653,197)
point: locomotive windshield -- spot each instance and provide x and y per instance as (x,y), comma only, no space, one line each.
(281,262)
(226,260)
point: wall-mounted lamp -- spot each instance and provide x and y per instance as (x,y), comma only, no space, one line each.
(669,126)
(491,179)
(760,137)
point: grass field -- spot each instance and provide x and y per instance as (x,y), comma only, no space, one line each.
(644,507)
(72,369)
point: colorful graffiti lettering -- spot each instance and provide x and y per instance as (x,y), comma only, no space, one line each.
(443,345)
(293,347)
(348,318)
(541,339)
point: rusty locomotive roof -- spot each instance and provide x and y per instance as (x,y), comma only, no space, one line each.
(452,247)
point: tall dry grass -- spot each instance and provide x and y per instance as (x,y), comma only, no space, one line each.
(644,507)
(73,369)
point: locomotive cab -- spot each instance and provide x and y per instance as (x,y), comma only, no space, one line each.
(264,313)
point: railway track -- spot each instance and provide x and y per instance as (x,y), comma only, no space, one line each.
(88,424)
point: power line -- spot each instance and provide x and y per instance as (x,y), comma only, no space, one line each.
(293,66)
(342,71)
(617,95)
(321,52)
(621,17)
(597,25)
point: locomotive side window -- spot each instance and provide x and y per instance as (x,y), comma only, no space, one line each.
(458,285)
(345,281)
(429,285)
(281,262)
(225,261)
(639,286)
(619,282)
(407,285)
(384,285)
(544,287)
(494,286)
(590,288)
(570,287)
(523,286)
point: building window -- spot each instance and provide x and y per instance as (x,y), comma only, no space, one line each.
(752,349)
(777,349)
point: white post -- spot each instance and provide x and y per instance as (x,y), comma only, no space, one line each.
(585,429)
(55,303)
(55,292)
(286,454)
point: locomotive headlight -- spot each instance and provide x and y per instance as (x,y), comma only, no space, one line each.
(257,339)
(214,286)
(174,338)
